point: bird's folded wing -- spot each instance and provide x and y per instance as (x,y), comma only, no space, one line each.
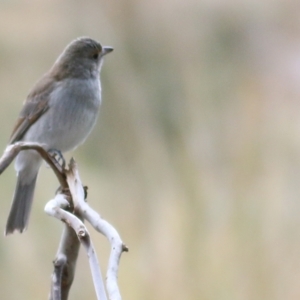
(31,112)
(36,104)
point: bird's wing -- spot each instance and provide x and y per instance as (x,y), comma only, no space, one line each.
(29,114)
(36,104)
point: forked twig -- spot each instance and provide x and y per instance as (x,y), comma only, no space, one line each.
(102,226)
(71,208)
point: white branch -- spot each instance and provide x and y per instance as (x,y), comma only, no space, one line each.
(75,230)
(53,208)
(102,226)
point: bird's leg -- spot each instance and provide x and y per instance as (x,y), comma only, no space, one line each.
(57,155)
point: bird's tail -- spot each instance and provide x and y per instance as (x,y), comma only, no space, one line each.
(21,205)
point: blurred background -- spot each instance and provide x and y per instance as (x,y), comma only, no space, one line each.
(196,155)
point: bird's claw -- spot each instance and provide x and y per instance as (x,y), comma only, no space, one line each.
(57,155)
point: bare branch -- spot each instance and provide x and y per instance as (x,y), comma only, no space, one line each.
(56,279)
(54,209)
(67,253)
(12,151)
(75,230)
(102,226)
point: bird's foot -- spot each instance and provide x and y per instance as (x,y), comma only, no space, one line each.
(57,155)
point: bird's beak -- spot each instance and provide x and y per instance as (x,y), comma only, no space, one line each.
(106,50)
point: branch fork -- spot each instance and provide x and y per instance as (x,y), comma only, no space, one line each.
(72,209)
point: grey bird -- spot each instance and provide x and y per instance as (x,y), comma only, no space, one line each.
(59,112)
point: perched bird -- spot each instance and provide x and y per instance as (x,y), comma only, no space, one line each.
(59,112)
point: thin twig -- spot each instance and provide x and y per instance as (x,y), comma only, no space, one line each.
(67,252)
(102,226)
(59,264)
(75,230)
(53,208)
(12,151)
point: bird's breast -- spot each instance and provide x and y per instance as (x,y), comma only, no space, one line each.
(72,113)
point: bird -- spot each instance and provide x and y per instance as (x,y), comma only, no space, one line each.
(59,112)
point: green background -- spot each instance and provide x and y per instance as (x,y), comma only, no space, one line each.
(195,157)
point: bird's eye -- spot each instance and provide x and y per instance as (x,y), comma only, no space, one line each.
(95,56)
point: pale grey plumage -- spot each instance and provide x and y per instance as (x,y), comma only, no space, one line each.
(60,112)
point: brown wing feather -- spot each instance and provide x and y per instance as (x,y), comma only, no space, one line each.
(25,120)
(36,104)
